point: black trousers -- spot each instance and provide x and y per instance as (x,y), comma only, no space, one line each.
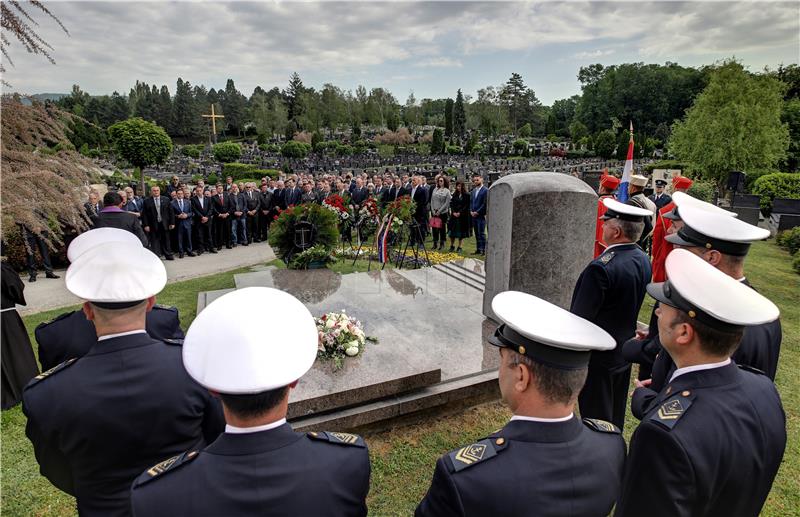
(34,241)
(160,241)
(203,235)
(252,227)
(263,224)
(605,394)
(222,231)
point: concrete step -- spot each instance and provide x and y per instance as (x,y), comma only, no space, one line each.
(460,270)
(461,277)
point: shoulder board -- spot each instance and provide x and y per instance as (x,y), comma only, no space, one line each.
(165,307)
(751,369)
(57,318)
(475,453)
(165,466)
(605,258)
(601,426)
(337,438)
(670,411)
(172,341)
(52,371)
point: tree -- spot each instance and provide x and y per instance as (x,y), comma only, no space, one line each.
(234,104)
(292,95)
(411,111)
(163,112)
(12,15)
(791,117)
(459,116)
(448,118)
(564,111)
(622,144)
(185,114)
(734,124)
(227,152)
(605,143)
(526,131)
(437,144)
(117,109)
(577,131)
(140,142)
(550,127)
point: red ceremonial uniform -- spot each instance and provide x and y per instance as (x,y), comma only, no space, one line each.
(660,247)
(599,245)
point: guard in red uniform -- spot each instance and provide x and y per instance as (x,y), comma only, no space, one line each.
(608,184)
(660,247)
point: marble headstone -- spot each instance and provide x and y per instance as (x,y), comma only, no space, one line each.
(540,235)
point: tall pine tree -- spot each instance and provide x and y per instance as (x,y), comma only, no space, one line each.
(448,118)
(459,116)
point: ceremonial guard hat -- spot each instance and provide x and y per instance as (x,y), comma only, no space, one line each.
(638,180)
(610,182)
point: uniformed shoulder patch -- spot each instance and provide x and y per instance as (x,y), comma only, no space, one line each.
(165,307)
(477,452)
(605,258)
(601,425)
(172,341)
(165,466)
(337,438)
(672,410)
(751,369)
(55,369)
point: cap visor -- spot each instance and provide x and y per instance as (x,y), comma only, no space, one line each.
(676,239)
(495,342)
(656,290)
(671,215)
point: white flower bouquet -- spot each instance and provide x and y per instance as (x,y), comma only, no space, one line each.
(340,336)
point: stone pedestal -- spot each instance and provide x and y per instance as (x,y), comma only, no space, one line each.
(541,229)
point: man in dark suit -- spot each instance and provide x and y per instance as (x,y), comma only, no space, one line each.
(96,422)
(712,442)
(420,216)
(279,196)
(293,193)
(93,206)
(222,223)
(238,208)
(266,210)
(259,465)
(113,216)
(609,293)
(477,209)
(359,194)
(158,219)
(182,208)
(541,372)
(203,220)
(659,197)
(252,202)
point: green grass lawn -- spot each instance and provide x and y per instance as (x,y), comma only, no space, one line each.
(403,458)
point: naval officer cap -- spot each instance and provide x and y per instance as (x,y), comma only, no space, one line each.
(545,332)
(116,275)
(88,240)
(710,296)
(715,231)
(683,199)
(239,359)
(624,211)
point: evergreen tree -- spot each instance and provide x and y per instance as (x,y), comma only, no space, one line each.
(459,116)
(117,109)
(292,96)
(437,143)
(185,113)
(234,104)
(448,118)
(164,108)
(550,127)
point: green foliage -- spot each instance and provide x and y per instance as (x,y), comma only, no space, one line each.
(281,234)
(244,171)
(212,179)
(791,117)
(295,149)
(685,168)
(790,240)
(796,263)
(577,131)
(622,145)
(454,149)
(472,143)
(315,253)
(227,152)
(780,184)
(459,116)
(437,143)
(703,189)
(526,131)
(448,118)
(270,148)
(192,151)
(82,133)
(140,142)
(316,139)
(605,144)
(520,144)
(734,124)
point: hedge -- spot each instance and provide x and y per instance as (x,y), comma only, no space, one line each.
(703,189)
(247,170)
(227,152)
(779,184)
(790,240)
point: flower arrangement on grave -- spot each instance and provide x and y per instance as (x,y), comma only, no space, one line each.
(400,210)
(335,203)
(282,236)
(369,216)
(340,336)
(312,258)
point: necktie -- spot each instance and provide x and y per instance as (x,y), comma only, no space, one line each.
(201,202)
(158,208)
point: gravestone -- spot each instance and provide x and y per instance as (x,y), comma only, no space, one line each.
(540,235)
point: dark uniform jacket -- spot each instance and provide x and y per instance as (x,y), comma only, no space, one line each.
(277,472)
(660,201)
(113,217)
(609,293)
(97,422)
(71,335)
(709,446)
(531,468)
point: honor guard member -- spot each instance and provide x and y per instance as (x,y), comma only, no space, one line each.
(713,442)
(71,335)
(96,422)
(660,248)
(608,184)
(545,461)
(609,293)
(259,466)
(722,241)
(659,197)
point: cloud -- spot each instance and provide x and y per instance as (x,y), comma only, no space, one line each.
(593,54)
(439,62)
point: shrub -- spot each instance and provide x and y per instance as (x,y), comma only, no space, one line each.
(227,152)
(192,151)
(796,263)
(453,149)
(520,145)
(703,189)
(295,149)
(790,240)
(270,148)
(779,184)
(212,179)
(243,171)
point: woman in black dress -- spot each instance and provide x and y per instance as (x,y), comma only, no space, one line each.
(459,223)
(18,362)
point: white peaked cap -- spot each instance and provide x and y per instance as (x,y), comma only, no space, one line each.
(226,356)
(88,240)
(706,293)
(116,272)
(618,210)
(683,199)
(714,230)
(545,332)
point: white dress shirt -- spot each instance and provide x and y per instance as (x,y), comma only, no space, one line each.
(256,429)
(698,367)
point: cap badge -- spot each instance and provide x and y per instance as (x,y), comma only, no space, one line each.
(692,314)
(521,350)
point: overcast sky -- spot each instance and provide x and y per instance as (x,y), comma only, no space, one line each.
(430,48)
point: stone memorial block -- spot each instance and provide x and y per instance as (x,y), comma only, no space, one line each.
(540,235)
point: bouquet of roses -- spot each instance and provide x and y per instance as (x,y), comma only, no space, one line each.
(399,212)
(340,335)
(335,204)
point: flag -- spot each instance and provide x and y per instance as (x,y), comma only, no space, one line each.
(622,192)
(382,239)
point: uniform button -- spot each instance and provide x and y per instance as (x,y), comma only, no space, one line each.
(500,441)
(686,393)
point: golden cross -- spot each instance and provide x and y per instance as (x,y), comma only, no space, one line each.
(214,118)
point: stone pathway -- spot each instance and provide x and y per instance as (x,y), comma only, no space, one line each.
(46,294)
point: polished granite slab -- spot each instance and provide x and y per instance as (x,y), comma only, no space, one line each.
(429,325)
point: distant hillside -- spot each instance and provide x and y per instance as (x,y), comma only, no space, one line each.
(45,97)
